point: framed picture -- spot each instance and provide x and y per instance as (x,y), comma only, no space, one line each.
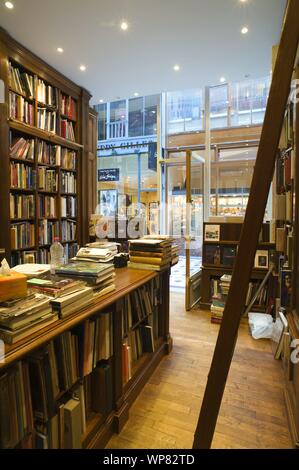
(261,259)
(212,255)
(286,288)
(108,202)
(212,233)
(228,256)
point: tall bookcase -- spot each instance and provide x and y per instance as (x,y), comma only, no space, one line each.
(286,199)
(43,155)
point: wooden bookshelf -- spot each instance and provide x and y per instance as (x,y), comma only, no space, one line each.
(215,253)
(100,426)
(286,188)
(29,79)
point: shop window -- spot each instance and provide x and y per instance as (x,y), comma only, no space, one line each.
(150,114)
(185,111)
(219,106)
(102,121)
(117,119)
(135,117)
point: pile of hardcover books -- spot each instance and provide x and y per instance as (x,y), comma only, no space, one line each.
(98,277)
(21,317)
(219,298)
(150,253)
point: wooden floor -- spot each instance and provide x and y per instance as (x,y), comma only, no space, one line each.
(165,414)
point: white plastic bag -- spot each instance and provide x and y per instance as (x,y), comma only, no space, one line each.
(261,325)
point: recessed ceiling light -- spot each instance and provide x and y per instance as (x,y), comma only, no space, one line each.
(9,5)
(136,94)
(176,68)
(243,1)
(82,68)
(59,49)
(124,25)
(101,101)
(222,80)
(244,30)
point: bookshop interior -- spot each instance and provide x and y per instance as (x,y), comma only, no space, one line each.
(149,224)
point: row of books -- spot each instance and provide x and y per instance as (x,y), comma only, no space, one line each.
(68,106)
(284,170)
(21,148)
(47,94)
(47,206)
(68,182)
(49,154)
(67,130)
(47,231)
(138,342)
(22,235)
(21,206)
(68,206)
(47,179)
(29,390)
(68,230)
(22,176)
(20,109)
(21,82)
(42,255)
(47,120)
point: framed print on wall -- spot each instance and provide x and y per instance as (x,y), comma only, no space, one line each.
(212,233)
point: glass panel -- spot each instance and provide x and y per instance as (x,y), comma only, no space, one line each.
(118,119)
(150,114)
(184,111)
(234,187)
(219,106)
(126,184)
(149,194)
(136,117)
(102,121)
(197,195)
(214,186)
(241,100)
(232,154)
(260,93)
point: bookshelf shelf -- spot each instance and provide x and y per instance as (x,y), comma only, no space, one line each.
(68,118)
(22,160)
(28,248)
(22,190)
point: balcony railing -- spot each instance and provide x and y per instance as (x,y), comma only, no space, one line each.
(117,129)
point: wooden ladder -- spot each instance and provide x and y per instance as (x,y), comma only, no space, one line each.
(262,178)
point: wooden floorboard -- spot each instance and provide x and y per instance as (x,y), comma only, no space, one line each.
(253,414)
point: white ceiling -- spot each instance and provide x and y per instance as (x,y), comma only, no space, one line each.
(202,36)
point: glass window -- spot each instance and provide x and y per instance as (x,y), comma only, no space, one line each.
(150,114)
(102,121)
(136,117)
(219,106)
(184,110)
(118,119)
(233,154)
(260,93)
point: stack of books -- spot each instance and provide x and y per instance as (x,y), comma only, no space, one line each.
(152,254)
(219,298)
(97,276)
(22,317)
(103,254)
(72,303)
(175,251)
(55,286)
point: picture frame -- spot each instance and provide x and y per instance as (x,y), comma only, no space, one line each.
(286,288)
(108,200)
(212,233)
(261,260)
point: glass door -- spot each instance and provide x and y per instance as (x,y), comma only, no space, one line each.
(183,187)
(194,235)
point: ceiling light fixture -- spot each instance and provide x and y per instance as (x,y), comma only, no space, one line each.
(9,5)
(244,30)
(176,68)
(136,94)
(59,49)
(222,80)
(101,101)
(124,25)
(82,68)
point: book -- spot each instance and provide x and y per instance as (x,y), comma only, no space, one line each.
(11,337)
(72,424)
